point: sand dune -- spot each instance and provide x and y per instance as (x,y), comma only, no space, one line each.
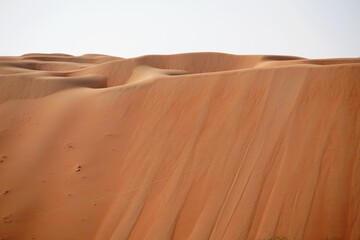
(187,146)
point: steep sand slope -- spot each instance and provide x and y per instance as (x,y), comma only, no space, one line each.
(188,146)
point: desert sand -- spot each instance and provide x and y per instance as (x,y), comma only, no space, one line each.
(188,146)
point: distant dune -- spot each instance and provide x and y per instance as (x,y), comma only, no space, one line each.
(188,146)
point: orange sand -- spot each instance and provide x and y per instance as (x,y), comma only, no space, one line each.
(188,146)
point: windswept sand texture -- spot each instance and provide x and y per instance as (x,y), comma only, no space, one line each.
(188,146)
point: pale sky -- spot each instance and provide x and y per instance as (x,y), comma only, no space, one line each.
(306,28)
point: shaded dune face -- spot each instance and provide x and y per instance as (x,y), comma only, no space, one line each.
(187,146)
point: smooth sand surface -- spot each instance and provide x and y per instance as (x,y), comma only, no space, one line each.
(187,146)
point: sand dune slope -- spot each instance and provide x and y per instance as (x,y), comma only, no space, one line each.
(188,146)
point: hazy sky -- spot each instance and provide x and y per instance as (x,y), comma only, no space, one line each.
(307,28)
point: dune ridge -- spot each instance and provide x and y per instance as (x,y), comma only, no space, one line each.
(185,146)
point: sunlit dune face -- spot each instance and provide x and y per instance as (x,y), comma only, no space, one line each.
(186,146)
